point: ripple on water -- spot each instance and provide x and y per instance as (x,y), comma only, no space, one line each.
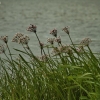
(82,16)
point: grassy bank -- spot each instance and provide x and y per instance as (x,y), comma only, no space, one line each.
(61,72)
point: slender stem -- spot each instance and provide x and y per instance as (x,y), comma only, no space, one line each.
(11,58)
(92,53)
(7,57)
(33,55)
(9,62)
(71,41)
(39,44)
(26,50)
(48,51)
(9,52)
(29,50)
(37,38)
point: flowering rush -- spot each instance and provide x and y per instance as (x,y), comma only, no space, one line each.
(24,40)
(4,39)
(66,30)
(21,38)
(17,37)
(85,42)
(32,28)
(54,32)
(50,40)
(58,40)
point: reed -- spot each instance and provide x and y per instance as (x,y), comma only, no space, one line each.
(69,72)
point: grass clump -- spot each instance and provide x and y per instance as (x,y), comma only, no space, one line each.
(69,72)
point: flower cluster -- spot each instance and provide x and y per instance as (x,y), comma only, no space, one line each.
(4,39)
(32,28)
(85,42)
(50,40)
(2,49)
(54,32)
(24,40)
(20,38)
(66,30)
(58,40)
(65,49)
(17,37)
(62,49)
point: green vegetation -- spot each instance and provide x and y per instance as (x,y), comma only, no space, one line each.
(68,73)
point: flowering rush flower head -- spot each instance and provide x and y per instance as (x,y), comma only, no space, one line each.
(50,40)
(54,32)
(58,40)
(21,38)
(2,49)
(66,30)
(24,40)
(65,49)
(32,28)
(17,37)
(85,42)
(4,38)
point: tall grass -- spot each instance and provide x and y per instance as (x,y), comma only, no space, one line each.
(69,73)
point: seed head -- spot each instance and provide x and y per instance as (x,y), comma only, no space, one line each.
(32,28)
(54,32)
(85,42)
(2,49)
(17,37)
(4,39)
(65,49)
(66,30)
(24,40)
(50,40)
(58,40)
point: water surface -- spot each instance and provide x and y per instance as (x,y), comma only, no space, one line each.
(82,16)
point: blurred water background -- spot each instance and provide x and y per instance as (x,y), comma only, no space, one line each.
(82,16)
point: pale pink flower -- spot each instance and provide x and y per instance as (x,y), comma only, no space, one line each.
(50,40)
(58,40)
(32,28)
(17,37)
(66,30)
(54,32)
(4,39)
(24,40)
(85,42)
(65,49)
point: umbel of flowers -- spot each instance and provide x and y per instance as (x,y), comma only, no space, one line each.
(58,50)
(60,72)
